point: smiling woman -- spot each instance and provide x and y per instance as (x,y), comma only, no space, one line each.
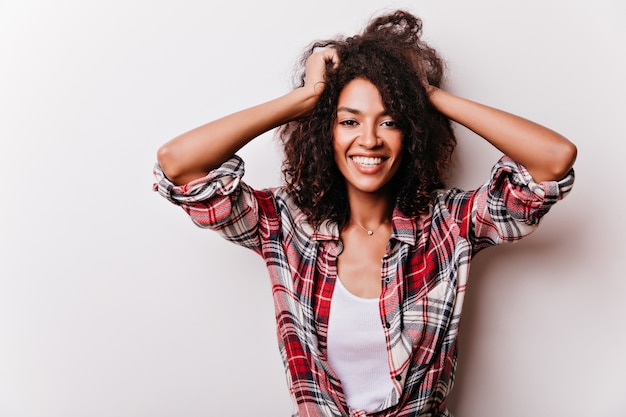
(367,252)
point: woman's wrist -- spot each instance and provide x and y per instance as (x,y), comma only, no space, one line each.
(303,100)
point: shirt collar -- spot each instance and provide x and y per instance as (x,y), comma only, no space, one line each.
(404,227)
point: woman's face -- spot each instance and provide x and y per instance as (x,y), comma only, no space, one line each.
(367,141)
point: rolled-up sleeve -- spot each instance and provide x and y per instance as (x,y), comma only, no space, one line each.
(511,205)
(220,201)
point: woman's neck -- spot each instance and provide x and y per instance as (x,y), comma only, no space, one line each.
(370,211)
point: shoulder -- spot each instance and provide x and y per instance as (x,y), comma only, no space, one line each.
(453,202)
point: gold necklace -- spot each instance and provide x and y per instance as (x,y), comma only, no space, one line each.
(369,232)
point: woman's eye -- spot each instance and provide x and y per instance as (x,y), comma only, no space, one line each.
(348,122)
(389,123)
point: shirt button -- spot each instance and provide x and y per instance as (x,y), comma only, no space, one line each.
(398,377)
(387,324)
(387,280)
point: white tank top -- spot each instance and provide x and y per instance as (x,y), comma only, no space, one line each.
(357,350)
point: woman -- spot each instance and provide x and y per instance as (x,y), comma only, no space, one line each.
(367,254)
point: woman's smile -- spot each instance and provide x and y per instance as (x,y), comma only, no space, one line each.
(367,161)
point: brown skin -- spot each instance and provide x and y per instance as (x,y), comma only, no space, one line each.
(358,265)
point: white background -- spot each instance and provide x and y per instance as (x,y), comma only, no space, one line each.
(113,304)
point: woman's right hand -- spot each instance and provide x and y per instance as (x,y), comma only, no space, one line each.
(315,69)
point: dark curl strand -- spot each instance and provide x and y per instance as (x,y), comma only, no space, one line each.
(391,55)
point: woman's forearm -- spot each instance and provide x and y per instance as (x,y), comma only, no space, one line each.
(546,154)
(194,153)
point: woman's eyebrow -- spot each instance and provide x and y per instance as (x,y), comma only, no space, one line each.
(348,109)
(356,111)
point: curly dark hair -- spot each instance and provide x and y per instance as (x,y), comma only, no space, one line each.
(391,55)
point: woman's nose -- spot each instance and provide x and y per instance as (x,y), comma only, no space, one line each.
(369,137)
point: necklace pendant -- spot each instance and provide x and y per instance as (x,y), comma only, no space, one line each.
(370,233)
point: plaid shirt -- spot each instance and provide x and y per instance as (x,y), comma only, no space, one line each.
(424,275)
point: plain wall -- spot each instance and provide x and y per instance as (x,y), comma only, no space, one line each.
(112,303)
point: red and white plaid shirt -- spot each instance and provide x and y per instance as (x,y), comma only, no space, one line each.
(424,275)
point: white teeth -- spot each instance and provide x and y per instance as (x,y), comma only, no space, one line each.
(367,161)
